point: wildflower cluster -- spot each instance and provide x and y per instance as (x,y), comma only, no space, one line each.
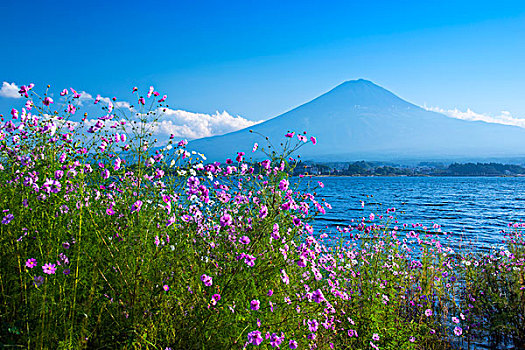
(111,239)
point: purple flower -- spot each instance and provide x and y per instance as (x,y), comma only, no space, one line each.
(458,331)
(207,280)
(226,220)
(428,312)
(375,337)
(38,280)
(263,212)
(215,298)
(275,231)
(244,240)
(66,271)
(255,304)
(255,338)
(7,219)
(270,293)
(293,344)
(275,340)
(30,263)
(49,268)
(313,325)
(166,287)
(318,296)
(283,185)
(47,101)
(136,206)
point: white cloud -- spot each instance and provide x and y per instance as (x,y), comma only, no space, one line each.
(184,124)
(84,97)
(188,125)
(9,90)
(503,118)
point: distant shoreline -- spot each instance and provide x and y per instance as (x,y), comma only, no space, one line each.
(408,175)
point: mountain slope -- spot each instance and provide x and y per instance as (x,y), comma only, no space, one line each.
(360,120)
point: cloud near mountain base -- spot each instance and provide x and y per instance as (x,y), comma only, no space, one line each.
(184,124)
(503,118)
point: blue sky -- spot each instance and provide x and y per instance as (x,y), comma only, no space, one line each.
(258,59)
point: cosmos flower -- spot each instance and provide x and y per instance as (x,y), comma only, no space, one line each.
(207,280)
(47,101)
(7,219)
(255,338)
(31,263)
(136,206)
(313,325)
(49,268)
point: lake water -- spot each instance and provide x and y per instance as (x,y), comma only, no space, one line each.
(472,209)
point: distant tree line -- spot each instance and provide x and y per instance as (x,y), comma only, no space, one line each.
(362,168)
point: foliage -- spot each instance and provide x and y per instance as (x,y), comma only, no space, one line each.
(109,244)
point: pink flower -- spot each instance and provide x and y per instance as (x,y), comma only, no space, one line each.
(313,139)
(318,296)
(239,156)
(47,101)
(263,212)
(163,98)
(255,305)
(255,146)
(207,280)
(31,263)
(75,93)
(290,134)
(458,331)
(136,206)
(142,101)
(49,269)
(97,100)
(283,184)
(313,325)
(302,138)
(71,109)
(255,338)
(118,162)
(64,92)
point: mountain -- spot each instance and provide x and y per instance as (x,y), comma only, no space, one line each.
(360,120)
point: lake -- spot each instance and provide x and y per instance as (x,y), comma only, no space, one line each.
(471,209)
